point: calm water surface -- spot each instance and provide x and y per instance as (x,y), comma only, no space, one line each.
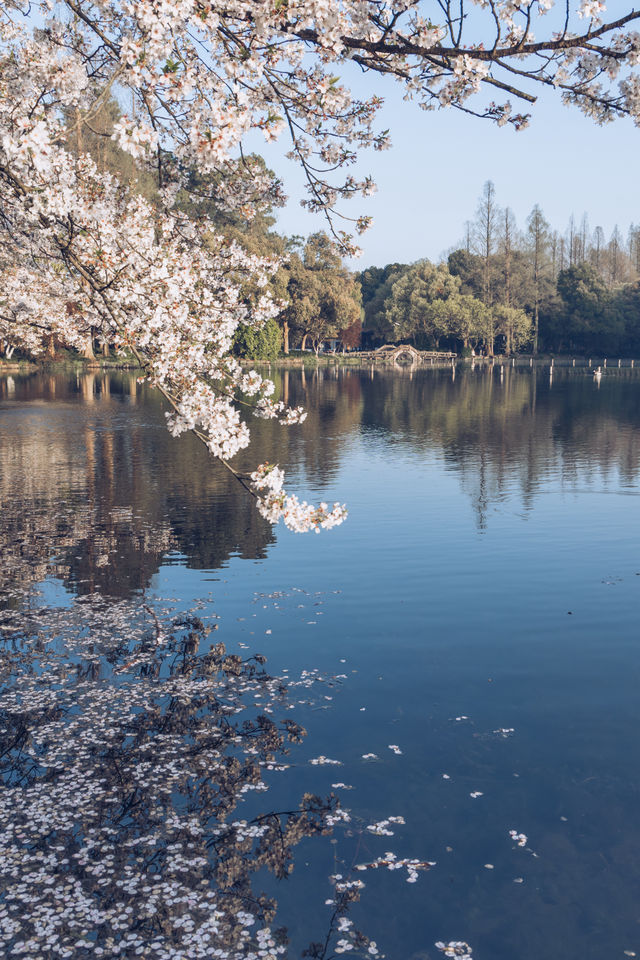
(482,602)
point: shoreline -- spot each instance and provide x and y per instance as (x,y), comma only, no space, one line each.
(64,363)
(104,365)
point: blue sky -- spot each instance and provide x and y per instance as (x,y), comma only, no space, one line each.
(430,181)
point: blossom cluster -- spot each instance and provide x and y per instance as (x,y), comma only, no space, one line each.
(381,828)
(274,503)
(391,862)
(519,838)
(455,948)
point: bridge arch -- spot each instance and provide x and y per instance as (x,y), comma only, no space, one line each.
(403,353)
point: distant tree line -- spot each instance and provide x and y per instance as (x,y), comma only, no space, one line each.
(506,290)
(432,307)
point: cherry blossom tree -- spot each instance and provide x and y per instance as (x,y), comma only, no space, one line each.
(83,254)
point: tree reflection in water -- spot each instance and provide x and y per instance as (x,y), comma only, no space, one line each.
(95,492)
(127,741)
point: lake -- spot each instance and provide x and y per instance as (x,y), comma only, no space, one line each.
(472,627)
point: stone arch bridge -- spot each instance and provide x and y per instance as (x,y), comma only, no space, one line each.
(404,355)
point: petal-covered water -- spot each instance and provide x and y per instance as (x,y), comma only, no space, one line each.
(474,624)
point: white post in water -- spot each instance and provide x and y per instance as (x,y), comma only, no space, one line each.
(589,361)
(531,362)
(605,363)
(619,364)
(573,362)
(632,363)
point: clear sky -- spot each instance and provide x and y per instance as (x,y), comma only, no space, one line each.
(430,181)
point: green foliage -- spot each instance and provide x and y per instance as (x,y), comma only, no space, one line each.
(469,268)
(428,304)
(324,299)
(469,320)
(582,291)
(514,325)
(376,284)
(591,318)
(414,309)
(627,304)
(263,343)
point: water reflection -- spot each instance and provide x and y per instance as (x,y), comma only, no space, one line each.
(530,626)
(121,773)
(94,490)
(504,429)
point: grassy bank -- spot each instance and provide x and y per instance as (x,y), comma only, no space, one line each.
(67,360)
(17,366)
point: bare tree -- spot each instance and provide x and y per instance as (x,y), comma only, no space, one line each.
(538,235)
(598,243)
(634,247)
(584,237)
(615,255)
(555,253)
(572,241)
(507,241)
(485,236)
